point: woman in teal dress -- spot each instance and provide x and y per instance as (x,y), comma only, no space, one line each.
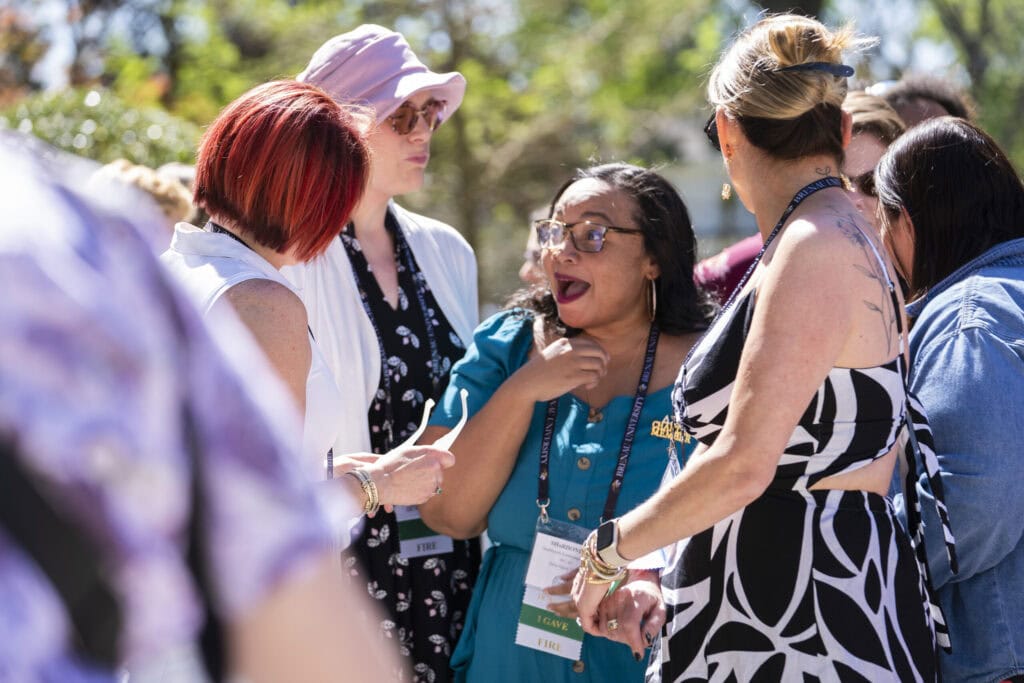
(593,350)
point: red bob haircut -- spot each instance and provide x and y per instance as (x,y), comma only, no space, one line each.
(284,163)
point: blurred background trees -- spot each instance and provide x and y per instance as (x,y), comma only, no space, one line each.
(553,84)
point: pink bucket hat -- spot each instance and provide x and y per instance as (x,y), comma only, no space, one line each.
(373,66)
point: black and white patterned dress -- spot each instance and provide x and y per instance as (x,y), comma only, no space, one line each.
(800,585)
(424,599)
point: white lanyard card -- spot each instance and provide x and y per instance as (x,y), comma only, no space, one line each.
(556,551)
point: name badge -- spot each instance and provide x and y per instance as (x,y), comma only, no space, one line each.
(415,538)
(541,629)
(556,551)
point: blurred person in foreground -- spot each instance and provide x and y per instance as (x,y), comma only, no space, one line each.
(788,562)
(571,417)
(957,235)
(393,304)
(148,492)
(875,125)
(278,170)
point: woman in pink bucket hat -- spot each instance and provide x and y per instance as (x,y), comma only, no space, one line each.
(393,305)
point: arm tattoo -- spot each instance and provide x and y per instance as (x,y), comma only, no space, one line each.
(849,226)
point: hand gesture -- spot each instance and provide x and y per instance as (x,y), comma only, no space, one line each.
(634,614)
(407,475)
(562,366)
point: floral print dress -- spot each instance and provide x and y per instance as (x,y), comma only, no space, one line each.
(424,598)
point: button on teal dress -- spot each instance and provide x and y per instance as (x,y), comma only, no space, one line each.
(583,458)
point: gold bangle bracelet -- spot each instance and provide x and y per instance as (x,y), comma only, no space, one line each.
(369,490)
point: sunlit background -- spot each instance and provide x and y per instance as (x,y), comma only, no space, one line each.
(553,84)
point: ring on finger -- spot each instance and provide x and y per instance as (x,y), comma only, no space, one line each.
(613,624)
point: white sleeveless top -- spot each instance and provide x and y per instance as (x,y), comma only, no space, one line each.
(207,264)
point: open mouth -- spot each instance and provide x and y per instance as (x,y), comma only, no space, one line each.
(569,288)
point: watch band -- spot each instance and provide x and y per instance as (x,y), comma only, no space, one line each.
(608,550)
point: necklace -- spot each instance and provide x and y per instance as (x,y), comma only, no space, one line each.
(596,413)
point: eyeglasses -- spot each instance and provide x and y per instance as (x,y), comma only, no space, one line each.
(586,236)
(865,183)
(405,118)
(711,130)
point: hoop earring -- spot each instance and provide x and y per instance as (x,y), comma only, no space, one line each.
(652,303)
(726,191)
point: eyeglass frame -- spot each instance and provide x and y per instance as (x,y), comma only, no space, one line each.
(418,112)
(567,229)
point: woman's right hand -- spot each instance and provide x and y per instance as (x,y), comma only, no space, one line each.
(409,475)
(562,366)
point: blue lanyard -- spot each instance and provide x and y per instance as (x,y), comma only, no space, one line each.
(405,255)
(543,482)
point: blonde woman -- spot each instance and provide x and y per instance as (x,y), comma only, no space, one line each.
(788,564)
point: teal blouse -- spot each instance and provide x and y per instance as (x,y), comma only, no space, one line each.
(583,458)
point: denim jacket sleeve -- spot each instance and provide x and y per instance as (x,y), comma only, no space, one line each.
(972,385)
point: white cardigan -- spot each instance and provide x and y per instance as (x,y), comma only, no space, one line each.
(344,333)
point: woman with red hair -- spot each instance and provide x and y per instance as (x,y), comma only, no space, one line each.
(278,171)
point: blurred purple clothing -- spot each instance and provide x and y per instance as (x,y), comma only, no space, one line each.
(97,357)
(720,274)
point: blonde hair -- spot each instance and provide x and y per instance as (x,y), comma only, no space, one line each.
(170,195)
(783,81)
(872,114)
(748,81)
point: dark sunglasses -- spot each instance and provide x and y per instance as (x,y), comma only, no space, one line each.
(711,130)
(405,118)
(586,236)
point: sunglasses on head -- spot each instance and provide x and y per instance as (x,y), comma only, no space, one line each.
(405,118)
(711,130)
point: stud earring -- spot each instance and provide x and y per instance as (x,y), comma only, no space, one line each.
(726,191)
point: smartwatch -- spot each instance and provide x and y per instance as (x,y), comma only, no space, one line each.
(607,544)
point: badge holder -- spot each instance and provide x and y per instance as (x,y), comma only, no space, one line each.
(556,551)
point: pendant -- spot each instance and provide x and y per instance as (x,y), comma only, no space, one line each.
(595,415)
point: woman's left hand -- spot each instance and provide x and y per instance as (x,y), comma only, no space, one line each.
(633,614)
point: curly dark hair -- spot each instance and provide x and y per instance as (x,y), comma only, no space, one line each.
(668,236)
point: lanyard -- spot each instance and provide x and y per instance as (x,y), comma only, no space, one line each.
(543,482)
(802,194)
(405,255)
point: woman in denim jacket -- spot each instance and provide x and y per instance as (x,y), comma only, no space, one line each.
(952,213)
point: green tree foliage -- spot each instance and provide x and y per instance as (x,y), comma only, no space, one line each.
(987,38)
(98,125)
(553,84)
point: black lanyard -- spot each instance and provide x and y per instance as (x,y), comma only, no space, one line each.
(420,282)
(543,482)
(802,194)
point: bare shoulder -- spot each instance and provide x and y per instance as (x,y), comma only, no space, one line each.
(672,351)
(270,310)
